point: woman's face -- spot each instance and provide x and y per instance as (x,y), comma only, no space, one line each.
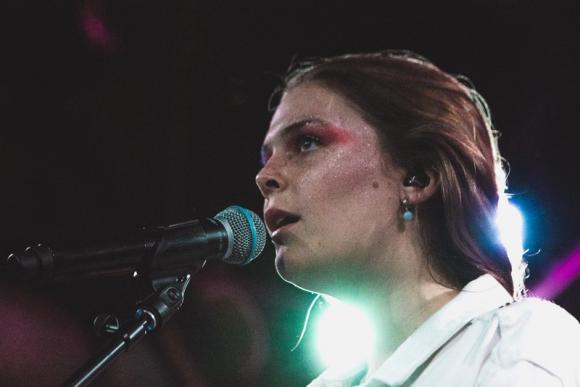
(331,196)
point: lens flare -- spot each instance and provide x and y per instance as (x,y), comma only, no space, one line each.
(344,338)
(510,224)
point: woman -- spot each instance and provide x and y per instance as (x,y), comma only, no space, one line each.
(381,179)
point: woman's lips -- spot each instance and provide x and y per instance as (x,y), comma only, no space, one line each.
(279,221)
(276,235)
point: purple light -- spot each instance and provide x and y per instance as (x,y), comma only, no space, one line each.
(560,277)
(95,28)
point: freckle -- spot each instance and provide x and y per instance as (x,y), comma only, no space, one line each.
(375,184)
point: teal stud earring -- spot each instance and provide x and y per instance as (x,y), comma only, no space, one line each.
(407,213)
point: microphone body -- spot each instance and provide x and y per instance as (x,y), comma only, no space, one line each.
(236,235)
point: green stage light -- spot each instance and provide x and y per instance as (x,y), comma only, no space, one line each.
(344,338)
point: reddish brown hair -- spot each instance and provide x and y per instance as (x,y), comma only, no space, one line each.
(428,120)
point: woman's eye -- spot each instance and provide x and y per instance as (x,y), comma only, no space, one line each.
(307,143)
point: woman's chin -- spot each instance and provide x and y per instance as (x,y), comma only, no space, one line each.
(290,269)
(298,272)
(324,275)
(285,268)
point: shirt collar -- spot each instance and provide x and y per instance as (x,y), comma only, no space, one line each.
(476,298)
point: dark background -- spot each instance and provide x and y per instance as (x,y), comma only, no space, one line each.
(122,114)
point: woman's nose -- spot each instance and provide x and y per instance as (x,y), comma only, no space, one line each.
(269,182)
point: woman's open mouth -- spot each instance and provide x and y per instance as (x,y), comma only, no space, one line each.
(278,220)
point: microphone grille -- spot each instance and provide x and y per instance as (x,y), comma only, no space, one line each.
(249,234)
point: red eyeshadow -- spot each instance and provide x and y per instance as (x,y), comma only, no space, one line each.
(335,134)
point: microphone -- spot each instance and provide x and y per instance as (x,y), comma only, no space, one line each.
(236,236)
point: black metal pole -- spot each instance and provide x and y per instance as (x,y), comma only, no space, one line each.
(96,365)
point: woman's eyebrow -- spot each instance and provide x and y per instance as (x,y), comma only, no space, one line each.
(286,132)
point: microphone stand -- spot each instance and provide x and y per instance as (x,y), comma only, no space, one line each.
(149,316)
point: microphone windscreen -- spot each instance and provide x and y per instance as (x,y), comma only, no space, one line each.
(249,234)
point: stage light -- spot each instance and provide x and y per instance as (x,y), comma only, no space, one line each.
(510,224)
(344,338)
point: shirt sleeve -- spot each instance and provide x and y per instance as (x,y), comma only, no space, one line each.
(520,374)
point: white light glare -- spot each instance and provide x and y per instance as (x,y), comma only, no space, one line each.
(344,338)
(510,225)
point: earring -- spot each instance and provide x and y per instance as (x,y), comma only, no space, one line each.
(407,213)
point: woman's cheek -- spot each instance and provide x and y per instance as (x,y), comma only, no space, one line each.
(339,176)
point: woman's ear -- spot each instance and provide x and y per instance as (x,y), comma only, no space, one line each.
(418,186)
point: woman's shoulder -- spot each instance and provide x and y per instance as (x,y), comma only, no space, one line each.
(531,316)
(539,333)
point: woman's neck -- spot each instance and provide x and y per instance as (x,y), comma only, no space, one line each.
(401,296)
(399,293)
(400,310)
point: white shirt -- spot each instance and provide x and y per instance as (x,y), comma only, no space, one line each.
(482,338)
